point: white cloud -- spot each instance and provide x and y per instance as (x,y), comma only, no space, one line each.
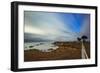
(33,30)
(50,26)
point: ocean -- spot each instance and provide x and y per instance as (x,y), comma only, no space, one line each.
(42,46)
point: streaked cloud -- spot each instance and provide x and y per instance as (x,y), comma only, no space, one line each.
(54,26)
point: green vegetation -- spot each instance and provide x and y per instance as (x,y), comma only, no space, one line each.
(34,50)
(31,46)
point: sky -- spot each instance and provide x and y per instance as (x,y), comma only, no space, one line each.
(55,26)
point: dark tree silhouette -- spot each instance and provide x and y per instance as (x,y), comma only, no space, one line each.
(79,39)
(84,38)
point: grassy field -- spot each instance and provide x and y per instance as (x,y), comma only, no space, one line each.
(66,51)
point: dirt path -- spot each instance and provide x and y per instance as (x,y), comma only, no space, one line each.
(84,53)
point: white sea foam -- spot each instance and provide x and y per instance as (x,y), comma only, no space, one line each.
(42,46)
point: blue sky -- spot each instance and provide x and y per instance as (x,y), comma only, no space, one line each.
(46,26)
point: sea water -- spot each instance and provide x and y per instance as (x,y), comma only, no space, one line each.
(42,46)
